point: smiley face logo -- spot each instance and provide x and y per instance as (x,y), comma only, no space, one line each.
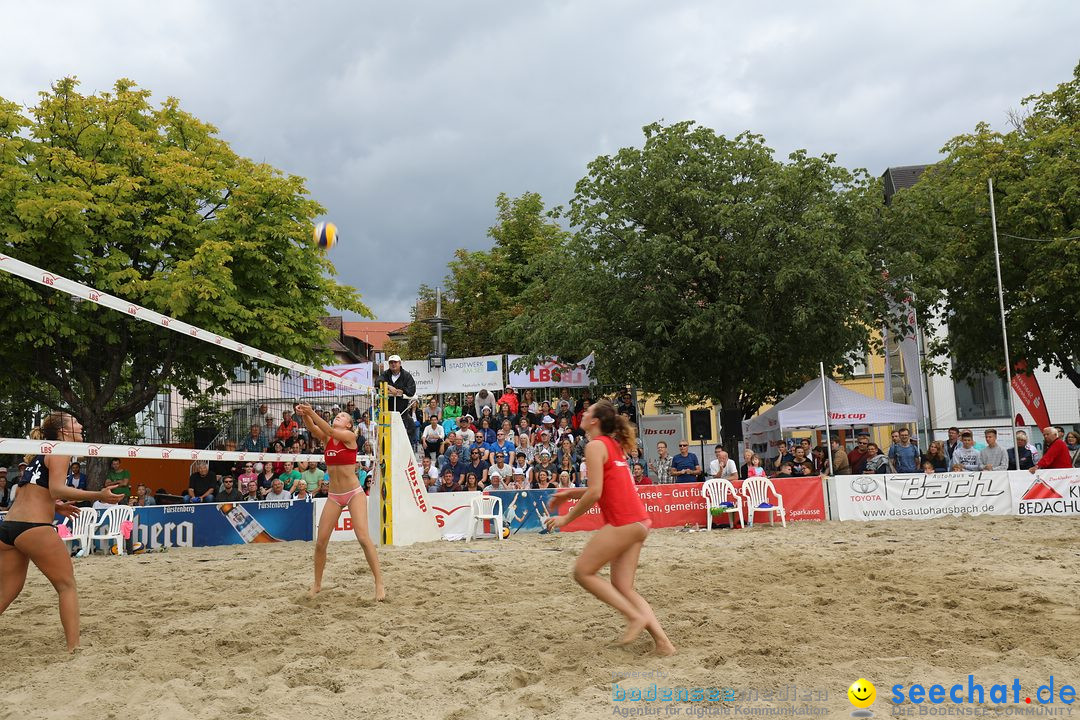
(862,693)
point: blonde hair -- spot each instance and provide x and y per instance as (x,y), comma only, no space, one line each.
(49,429)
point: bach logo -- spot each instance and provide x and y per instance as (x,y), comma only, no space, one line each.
(46,448)
(49,279)
(94,295)
(93,450)
(133,309)
(132,452)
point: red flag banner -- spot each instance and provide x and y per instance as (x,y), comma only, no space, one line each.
(1027,388)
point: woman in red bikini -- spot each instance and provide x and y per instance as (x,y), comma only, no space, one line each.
(345,492)
(619,542)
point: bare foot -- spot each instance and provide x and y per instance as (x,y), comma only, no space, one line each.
(380,593)
(315,590)
(665,650)
(633,629)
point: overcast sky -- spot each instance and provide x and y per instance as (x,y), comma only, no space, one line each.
(408,119)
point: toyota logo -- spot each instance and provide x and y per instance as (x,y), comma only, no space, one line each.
(864,485)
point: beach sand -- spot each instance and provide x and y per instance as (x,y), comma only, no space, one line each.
(499,630)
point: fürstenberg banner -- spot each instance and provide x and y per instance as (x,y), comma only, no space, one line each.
(917,496)
(554,373)
(460,375)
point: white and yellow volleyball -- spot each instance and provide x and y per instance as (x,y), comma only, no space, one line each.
(325,235)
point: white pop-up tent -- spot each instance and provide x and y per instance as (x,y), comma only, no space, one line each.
(806,408)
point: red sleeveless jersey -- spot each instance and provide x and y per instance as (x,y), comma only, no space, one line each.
(338,454)
(619,501)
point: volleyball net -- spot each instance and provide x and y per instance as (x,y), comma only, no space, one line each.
(243,409)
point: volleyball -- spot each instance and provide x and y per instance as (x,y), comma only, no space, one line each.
(506,532)
(325,235)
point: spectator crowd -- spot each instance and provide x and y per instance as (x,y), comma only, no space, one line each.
(511,442)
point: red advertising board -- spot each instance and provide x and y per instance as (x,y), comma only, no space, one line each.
(681,503)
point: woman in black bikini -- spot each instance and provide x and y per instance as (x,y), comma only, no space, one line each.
(27,532)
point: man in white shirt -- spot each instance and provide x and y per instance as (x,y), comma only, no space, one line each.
(723,466)
(432,437)
(500,469)
(278,492)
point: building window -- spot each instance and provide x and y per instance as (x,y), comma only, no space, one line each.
(239,376)
(859,361)
(981,397)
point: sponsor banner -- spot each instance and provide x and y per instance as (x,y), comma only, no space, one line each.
(1045,492)
(524,510)
(668,505)
(202,525)
(554,373)
(1028,390)
(460,375)
(452,512)
(654,428)
(295,385)
(56,282)
(411,518)
(915,496)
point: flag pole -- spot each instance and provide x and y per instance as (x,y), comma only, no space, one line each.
(828,432)
(1004,333)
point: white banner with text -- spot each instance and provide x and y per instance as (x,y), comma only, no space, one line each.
(660,428)
(554,373)
(459,376)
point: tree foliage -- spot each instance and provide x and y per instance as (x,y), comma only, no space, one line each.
(705,268)
(945,218)
(483,289)
(148,204)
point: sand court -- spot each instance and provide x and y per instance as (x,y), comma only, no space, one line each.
(498,630)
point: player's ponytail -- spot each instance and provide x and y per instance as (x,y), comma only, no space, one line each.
(48,430)
(617,426)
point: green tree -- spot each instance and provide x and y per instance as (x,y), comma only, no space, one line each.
(483,288)
(148,204)
(945,219)
(704,268)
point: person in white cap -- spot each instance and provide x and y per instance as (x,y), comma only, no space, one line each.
(401,388)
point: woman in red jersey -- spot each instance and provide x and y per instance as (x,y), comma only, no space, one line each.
(619,542)
(346,491)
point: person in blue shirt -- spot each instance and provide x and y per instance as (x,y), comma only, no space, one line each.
(685,466)
(501,445)
(479,444)
(76,478)
(904,455)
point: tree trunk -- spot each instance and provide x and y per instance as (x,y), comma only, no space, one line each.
(95,430)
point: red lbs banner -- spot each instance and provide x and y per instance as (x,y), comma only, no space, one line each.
(682,503)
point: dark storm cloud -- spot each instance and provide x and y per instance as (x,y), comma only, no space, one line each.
(409,118)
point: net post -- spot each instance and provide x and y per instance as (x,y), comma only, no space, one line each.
(386,507)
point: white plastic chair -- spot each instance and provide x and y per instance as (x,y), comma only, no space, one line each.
(757,491)
(716,492)
(113,517)
(485,507)
(80,527)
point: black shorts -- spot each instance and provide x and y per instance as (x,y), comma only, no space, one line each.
(11,529)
